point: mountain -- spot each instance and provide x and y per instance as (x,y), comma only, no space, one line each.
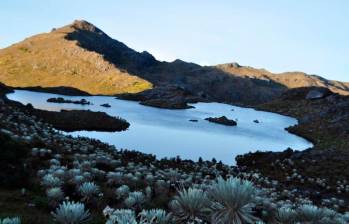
(55,59)
(289,79)
(82,56)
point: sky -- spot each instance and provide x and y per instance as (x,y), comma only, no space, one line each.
(279,35)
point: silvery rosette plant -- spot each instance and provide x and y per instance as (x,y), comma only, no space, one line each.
(190,204)
(71,213)
(15,220)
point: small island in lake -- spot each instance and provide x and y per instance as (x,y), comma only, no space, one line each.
(105,105)
(62,100)
(78,120)
(222,120)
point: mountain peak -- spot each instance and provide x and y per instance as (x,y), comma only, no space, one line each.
(85,26)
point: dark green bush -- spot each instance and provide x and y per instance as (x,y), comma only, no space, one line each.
(12,162)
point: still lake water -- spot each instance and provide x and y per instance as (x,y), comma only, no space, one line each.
(168,133)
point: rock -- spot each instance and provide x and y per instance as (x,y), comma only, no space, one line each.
(167,103)
(333,98)
(306,119)
(318,93)
(62,100)
(193,120)
(169,97)
(234,65)
(222,120)
(105,105)
(256,121)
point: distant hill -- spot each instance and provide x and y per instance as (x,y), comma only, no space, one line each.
(288,79)
(82,56)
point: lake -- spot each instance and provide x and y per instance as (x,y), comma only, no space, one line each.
(168,133)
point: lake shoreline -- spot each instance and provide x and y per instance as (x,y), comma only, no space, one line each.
(69,91)
(72,148)
(239,138)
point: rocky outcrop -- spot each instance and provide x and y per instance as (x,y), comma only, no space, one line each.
(62,100)
(176,103)
(222,120)
(318,93)
(107,105)
(324,120)
(4,90)
(78,120)
(169,97)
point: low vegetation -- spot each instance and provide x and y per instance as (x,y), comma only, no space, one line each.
(81,180)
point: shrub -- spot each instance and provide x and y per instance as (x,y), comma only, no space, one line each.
(12,158)
(51,181)
(71,213)
(190,204)
(310,213)
(136,198)
(114,177)
(154,216)
(233,200)
(286,215)
(15,220)
(88,190)
(119,216)
(54,195)
(122,191)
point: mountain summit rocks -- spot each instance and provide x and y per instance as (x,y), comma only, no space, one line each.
(84,25)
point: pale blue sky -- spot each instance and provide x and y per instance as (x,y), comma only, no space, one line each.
(279,35)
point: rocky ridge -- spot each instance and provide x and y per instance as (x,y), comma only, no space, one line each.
(82,56)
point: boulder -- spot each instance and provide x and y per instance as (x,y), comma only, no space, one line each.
(318,93)
(105,105)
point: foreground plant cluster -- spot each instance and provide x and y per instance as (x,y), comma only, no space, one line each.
(81,180)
